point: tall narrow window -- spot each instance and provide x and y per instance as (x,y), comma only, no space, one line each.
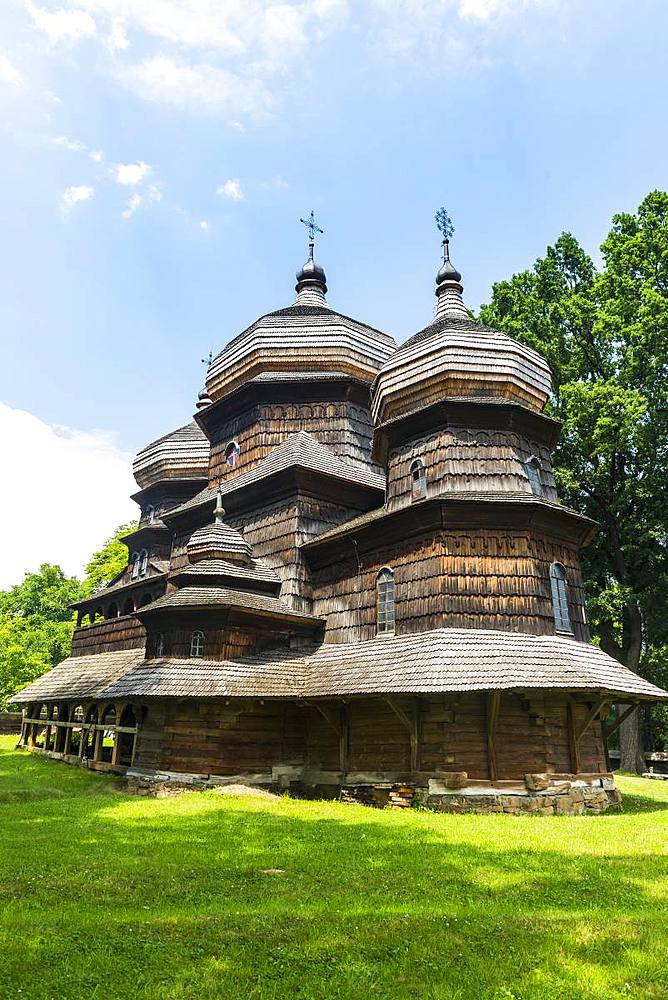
(562,621)
(532,466)
(418,480)
(149,514)
(134,562)
(160,644)
(143,562)
(197,643)
(232,453)
(385,601)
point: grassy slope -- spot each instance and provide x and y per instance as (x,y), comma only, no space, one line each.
(107,896)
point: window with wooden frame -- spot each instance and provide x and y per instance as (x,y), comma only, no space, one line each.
(134,562)
(149,514)
(160,644)
(143,562)
(533,470)
(197,643)
(232,453)
(558,581)
(418,480)
(385,601)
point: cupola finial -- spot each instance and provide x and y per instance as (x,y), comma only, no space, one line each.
(219,510)
(450,304)
(311,282)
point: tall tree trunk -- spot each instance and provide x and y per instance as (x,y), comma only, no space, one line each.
(632,757)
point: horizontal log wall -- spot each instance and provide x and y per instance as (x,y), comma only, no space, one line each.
(451,733)
(228,643)
(344,427)
(236,738)
(457,459)
(473,579)
(125,632)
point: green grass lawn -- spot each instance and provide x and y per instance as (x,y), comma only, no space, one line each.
(109,896)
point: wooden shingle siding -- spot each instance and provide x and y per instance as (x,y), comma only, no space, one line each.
(125,632)
(451,579)
(464,460)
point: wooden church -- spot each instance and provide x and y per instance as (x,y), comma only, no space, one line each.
(352,576)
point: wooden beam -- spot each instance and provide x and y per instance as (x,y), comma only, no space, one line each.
(609,730)
(572,737)
(590,718)
(333,719)
(492,711)
(412,724)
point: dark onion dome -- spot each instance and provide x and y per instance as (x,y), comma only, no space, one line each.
(182,454)
(456,357)
(203,400)
(307,336)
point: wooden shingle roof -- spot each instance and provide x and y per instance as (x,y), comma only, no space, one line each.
(181,454)
(439,661)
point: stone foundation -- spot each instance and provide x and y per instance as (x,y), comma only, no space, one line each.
(559,797)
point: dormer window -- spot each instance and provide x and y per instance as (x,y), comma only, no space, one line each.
(385,601)
(134,562)
(197,643)
(149,514)
(232,453)
(418,480)
(143,562)
(562,621)
(533,471)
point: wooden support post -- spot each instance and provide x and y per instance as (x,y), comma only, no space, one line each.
(412,724)
(492,711)
(573,745)
(339,723)
(67,744)
(116,749)
(596,710)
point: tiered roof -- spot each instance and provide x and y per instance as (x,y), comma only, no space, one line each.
(181,454)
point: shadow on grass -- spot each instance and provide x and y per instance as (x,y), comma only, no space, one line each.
(209,896)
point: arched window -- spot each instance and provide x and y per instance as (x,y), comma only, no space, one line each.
(232,453)
(385,601)
(533,470)
(149,514)
(197,643)
(418,480)
(98,614)
(144,600)
(143,562)
(112,610)
(562,621)
(128,607)
(134,562)
(160,644)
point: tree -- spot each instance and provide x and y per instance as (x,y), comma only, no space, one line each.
(36,625)
(605,335)
(107,562)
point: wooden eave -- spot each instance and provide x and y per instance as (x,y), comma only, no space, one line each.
(450,511)
(282,484)
(487,414)
(155,490)
(230,613)
(113,591)
(156,529)
(310,389)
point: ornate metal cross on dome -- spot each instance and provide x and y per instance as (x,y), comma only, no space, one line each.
(313,228)
(444,223)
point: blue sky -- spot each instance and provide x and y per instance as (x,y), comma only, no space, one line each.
(159,153)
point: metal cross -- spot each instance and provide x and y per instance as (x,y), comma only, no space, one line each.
(444,223)
(313,228)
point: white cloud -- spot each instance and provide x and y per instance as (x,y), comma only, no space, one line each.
(62,25)
(231,189)
(80,497)
(204,224)
(9,73)
(132,206)
(118,40)
(132,173)
(201,87)
(97,155)
(73,145)
(74,194)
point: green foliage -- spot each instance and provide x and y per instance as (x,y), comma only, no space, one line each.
(227,898)
(605,335)
(108,562)
(36,620)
